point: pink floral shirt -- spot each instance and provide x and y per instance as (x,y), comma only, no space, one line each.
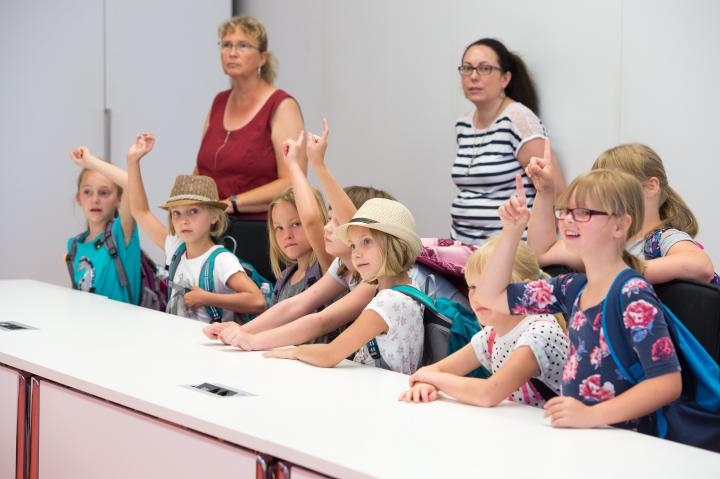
(590,374)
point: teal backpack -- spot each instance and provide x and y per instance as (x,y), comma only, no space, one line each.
(449,326)
(207,282)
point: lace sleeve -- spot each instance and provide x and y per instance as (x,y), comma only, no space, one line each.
(526,125)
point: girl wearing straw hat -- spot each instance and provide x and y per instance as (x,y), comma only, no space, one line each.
(196,216)
(389,332)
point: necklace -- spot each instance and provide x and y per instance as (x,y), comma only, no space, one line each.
(476,144)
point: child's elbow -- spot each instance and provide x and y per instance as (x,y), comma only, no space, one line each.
(674,386)
(484,393)
(487,401)
(328,362)
(706,271)
(327,358)
(258,304)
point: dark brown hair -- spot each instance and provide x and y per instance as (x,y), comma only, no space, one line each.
(520,88)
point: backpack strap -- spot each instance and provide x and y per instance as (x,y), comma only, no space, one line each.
(543,389)
(173,266)
(417,295)
(622,353)
(207,282)
(70,257)
(282,281)
(109,241)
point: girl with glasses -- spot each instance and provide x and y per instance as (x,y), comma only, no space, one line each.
(593,393)
(665,238)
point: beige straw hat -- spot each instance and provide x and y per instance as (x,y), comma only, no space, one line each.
(193,190)
(388,216)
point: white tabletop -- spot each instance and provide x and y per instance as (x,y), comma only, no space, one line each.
(343,422)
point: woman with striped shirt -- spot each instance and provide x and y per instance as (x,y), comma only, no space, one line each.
(496,141)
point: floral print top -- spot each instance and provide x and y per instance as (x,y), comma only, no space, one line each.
(590,374)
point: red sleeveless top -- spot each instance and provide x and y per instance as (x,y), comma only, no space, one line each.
(243,159)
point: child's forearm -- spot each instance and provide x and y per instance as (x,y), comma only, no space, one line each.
(304,198)
(542,231)
(342,206)
(693,265)
(279,314)
(491,290)
(478,392)
(638,401)
(136,188)
(116,174)
(320,355)
(296,332)
(242,302)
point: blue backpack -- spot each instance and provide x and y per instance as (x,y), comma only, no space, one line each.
(207,282)
(449,326)
(692,419)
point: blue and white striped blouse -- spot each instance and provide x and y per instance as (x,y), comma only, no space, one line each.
(485,168)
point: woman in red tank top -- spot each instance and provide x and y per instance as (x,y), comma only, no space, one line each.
(243,137)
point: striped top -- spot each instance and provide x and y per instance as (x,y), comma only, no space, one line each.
(485,168)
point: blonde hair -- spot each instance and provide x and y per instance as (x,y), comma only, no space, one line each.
(216,229)
(276,253)
(644,163)
(253,27)
(359,195)
(396,257)
(525,266)
(617,193)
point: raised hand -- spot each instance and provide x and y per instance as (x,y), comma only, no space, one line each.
(317,145)
(292,150)
(81,156)
(144,142)
(539,170)
(514,213)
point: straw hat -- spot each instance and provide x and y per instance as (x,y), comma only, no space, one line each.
(388,216)
(193,190)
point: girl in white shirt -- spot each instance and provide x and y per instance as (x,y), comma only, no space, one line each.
(525,353)
(196,216)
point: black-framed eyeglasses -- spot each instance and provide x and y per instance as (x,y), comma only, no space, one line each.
(483,70)
(242,47)
(581,215)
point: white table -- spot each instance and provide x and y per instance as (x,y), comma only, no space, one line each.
(343,422)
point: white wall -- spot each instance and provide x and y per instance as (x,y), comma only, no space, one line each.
(163,70)
(383,72)
(607,72)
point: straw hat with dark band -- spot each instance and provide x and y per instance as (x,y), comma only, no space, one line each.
(193,190)
(388,216)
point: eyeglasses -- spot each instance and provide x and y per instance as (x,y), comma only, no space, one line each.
(482,70)
(242,47)
(581,215)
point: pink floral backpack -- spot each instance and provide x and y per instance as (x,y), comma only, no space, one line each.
(448,258)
